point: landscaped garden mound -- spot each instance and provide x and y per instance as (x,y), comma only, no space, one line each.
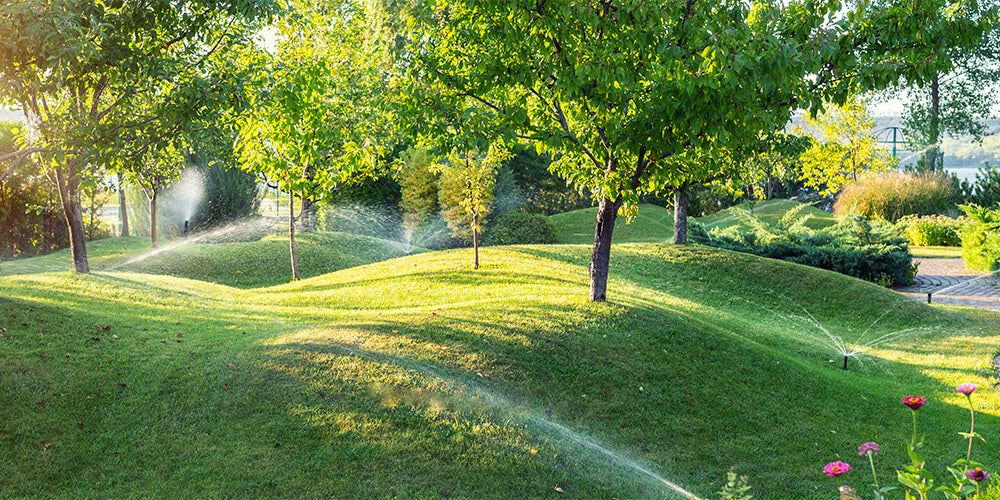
(418,377)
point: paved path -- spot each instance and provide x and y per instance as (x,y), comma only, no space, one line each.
(949,282)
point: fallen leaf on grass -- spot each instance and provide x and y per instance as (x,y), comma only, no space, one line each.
(231,366)
(560,490)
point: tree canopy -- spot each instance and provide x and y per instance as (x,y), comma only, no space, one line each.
(101,82)
(618,88)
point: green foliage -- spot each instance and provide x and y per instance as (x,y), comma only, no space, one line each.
(229,194)
(102,84)
(855,246)
(418,185)
(520,228)
(466,189)
(891,195)
(932,230)
(312,122)
(985,191)
(845,150)
(30,222)
(642,97)
(544,193)
(981,238)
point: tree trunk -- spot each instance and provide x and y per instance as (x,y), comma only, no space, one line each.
(306,214)
(291,234)
(152,219)
(934,134)
(69,186)
(122,206)
(475,241)
(680,217)
(601,258)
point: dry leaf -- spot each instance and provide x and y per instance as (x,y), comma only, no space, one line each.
(232,367)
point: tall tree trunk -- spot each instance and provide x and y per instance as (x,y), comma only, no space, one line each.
(933,152)
(291,234)
(122,206)
(475,241)
(152,219)
(680,217)
(69,188)
(600,260)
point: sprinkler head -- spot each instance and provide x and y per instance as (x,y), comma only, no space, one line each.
(185,229)
(845,363)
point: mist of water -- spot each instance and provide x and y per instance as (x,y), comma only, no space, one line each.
(387,223)
(838,344)
(249,229)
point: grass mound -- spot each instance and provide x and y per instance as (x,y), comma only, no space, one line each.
(654,224)
(248,264)
(418,377)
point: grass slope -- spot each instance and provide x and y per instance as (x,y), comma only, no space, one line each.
(240,264)
(653,224)
(417,377)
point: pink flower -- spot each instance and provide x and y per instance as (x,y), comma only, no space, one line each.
(977,474)
(836,468)
(865,448)
(967,389)
(914,402)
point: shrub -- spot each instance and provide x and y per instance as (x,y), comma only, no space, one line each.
(869,250)
(891,195)
(985,191)
(935,230)
(981,238)
(519,228)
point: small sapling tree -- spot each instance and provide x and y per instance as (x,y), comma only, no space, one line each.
(466,191)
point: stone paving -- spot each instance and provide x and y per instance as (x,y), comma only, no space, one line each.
(949,282)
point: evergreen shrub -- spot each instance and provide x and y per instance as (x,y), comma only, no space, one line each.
(519,228)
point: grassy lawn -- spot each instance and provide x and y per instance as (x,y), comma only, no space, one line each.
(950,252)
(417,377)
(654,224)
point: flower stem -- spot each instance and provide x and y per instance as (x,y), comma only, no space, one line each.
(914,442)
(972,430)
(872,461)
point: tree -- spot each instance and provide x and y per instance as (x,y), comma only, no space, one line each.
(846,149)
(156,171)
(307,127)
(959,100)
(618,88)
(88,73)
(466,191)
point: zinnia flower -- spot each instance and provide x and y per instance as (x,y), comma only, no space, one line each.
(914,402)
(836,468)
(977,474)
(865,448)
(967,389)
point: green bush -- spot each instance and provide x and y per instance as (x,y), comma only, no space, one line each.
(937,230)
(519,228)
(981,238)
(891,195)
(869,250)
(985,191)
